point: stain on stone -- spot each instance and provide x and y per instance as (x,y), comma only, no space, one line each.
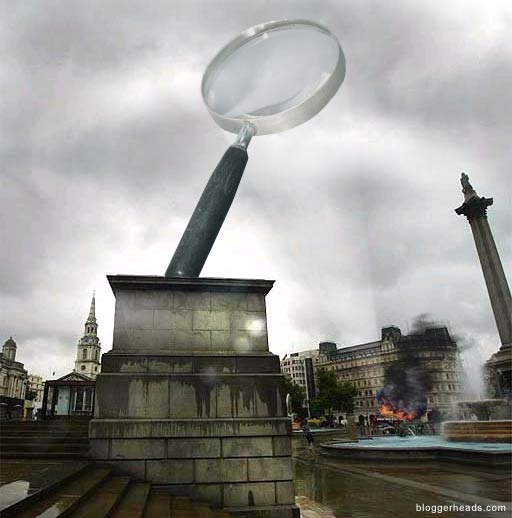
(203,386)
(241,389)
(270,390)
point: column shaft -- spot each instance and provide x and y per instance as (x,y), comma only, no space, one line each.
(494,275)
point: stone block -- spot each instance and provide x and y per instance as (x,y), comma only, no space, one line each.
(250,495)
(247,447)
(267,364)
(270,399)
(230,301)
(143,340)
(220,470)
(192,300)
(255,302)
(235,397)
(137,449)
(154,299)
(192,397)
(215,364)
(169,364)
(141,319)
(131,395)
(162,319)
(210,320)
(231,341)
(192,340)
(125,299)
(251,321)
(136,428)
(209,493)
(285,493)
(170,471)
(270,468)
(239,341)
(111,362)
(282,446)
(99,448)
(193,448)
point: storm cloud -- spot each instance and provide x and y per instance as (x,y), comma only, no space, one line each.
(105,146)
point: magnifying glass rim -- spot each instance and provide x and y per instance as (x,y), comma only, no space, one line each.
(290,117)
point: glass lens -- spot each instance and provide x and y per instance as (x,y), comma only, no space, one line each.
(271,72)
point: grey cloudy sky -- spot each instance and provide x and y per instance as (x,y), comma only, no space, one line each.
(105,146)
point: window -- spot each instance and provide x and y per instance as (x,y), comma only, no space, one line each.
(84,354)
(83,367)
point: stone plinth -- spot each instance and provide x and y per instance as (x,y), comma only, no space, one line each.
(191,399)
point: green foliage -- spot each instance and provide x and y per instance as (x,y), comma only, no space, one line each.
(30,395)
(332,395)
(298,395)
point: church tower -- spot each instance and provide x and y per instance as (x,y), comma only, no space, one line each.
(89,348)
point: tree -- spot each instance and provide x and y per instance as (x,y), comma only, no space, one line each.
(30,395)
(298,396)
(332,395)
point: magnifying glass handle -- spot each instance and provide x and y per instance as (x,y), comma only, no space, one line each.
(209,214)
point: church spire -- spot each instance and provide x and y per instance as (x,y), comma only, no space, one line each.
(89,348)
(91,319)
(91,327)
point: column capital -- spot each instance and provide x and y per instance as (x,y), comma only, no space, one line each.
(474,208)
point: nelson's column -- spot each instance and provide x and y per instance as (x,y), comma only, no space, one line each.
(499,367)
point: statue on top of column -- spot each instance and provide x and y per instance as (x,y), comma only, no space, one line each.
(467,188)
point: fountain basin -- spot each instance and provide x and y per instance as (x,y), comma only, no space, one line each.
(427,448)
(478,431)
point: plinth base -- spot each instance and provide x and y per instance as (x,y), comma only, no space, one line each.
(190,398)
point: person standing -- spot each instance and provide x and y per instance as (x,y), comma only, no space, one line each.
(307,432)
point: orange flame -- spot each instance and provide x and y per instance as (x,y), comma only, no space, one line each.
(388,410)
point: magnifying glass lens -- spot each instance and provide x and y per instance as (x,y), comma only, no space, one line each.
(272,72)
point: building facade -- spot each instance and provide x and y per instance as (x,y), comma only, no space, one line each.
(13,376)
(74,393)
(433,354)
(36,386)
(89,348)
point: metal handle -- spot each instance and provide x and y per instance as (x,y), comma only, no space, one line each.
(209,214)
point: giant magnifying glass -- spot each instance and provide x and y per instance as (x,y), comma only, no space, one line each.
(270,78)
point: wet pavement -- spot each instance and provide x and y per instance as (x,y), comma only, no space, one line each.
(328,487)
(22,478)
(334,488)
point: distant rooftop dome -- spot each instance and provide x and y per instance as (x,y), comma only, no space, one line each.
(10,343)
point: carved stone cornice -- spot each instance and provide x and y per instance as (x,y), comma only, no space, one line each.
(474,208)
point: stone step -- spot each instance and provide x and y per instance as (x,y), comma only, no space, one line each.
(134,501)
(15,439)
(43,446)
(65,455)
(15,496)
(159,504)
(102,501)
(67,497)
(43,434)
(183,507)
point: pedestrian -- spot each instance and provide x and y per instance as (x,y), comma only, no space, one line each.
(361,425)
(309,436)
